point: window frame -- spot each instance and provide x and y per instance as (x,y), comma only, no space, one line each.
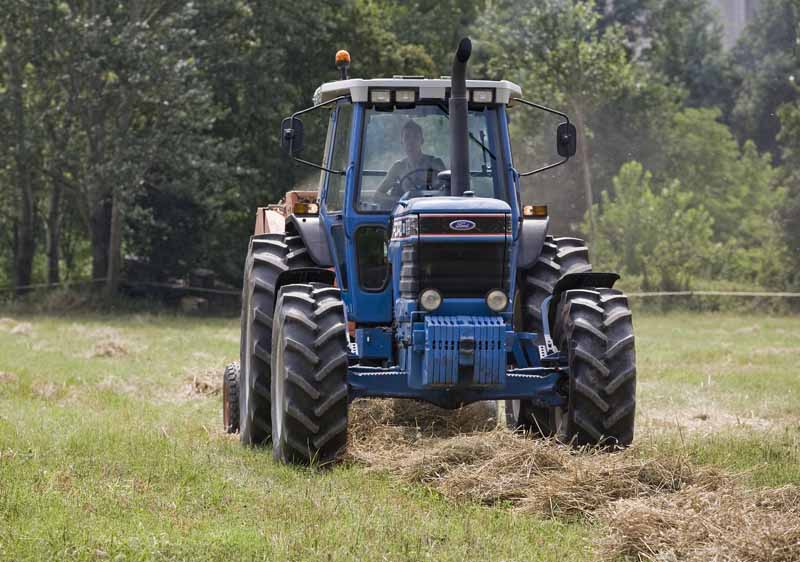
(386,237)
(493,114)
(330,148)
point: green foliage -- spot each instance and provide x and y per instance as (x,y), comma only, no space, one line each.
(655,232)
(789,138)
(739,187)
(713,213)
(766,61)
(171,109)
(681,40)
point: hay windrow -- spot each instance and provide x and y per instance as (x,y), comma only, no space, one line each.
(652,506)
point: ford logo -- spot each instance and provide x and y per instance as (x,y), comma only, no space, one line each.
(462,224)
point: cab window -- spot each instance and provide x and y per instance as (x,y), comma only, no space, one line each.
(339,157)
(405,149)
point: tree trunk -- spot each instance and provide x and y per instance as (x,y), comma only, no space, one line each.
(114,248)
(100,229)
(586,170)
(54,234)
(26,243)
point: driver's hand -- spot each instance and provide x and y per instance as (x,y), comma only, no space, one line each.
(395,191)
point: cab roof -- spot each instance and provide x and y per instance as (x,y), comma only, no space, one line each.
(428,88)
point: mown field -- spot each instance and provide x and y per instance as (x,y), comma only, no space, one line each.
(111,449)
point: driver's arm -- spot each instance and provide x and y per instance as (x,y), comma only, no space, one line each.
(391,178)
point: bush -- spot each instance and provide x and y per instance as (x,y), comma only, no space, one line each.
(653,233)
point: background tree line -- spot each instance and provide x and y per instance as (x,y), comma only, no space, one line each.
(148,128)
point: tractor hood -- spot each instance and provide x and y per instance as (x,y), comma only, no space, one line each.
(453,205)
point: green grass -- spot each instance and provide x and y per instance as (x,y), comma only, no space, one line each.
(116,457)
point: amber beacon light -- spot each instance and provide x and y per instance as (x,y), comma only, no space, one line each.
(342,63)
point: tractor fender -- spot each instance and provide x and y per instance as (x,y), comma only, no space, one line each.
(585,280)
(312,233)
(531,240)
(303,275)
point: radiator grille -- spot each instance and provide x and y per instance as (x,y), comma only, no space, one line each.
(462,270)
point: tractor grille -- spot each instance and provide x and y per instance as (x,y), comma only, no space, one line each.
(468,270)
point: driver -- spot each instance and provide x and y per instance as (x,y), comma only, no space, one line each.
(424,165)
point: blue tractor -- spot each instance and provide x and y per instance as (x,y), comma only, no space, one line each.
(416,272)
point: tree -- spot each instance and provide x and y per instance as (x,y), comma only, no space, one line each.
(561,54)
(659,233)
(789,138)
(732,182)
(766,59)
(16,27)
(679,39)
(139,103)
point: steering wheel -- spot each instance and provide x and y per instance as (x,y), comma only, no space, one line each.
(416,187)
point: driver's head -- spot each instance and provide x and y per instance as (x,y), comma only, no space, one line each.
(411,137)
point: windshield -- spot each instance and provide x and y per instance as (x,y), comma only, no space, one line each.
(405,149)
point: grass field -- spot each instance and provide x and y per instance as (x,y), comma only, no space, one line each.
(111,448)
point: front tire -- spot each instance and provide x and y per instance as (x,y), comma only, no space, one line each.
(309,382)
(594,327)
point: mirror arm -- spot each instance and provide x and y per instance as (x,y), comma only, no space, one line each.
(543,108)
(554,112)
(317,166)
(291,141)
(543,168)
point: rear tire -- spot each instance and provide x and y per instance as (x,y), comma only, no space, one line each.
(269,255)
(230,398)
(309,383)
(594,327)
(559,257)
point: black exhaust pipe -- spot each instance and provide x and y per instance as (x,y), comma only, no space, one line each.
(459,156)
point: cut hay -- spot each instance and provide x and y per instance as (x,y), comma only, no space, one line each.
(108,343)
(16,328)
(108,349)
(207,382)
(654,506)
(697,525)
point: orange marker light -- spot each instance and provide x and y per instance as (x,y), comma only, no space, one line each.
(539,211)
(342,57)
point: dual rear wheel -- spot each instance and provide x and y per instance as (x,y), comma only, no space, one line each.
(292,388)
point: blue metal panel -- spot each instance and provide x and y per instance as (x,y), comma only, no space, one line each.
(464,350)
(374,343)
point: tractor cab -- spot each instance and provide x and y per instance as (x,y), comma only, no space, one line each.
(387,162)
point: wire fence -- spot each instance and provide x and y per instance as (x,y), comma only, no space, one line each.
(715,294)
(231,292)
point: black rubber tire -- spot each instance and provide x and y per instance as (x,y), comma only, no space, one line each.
(595,327)
(230,398)
(269,255)
(559,256)
(309,384)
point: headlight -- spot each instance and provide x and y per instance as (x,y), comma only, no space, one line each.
(411,225)
(430,299)
(380,96)
(497,300)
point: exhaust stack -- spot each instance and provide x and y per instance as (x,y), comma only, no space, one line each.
(459,156)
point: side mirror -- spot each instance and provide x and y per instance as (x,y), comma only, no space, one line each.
(566,140)
(292,135)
